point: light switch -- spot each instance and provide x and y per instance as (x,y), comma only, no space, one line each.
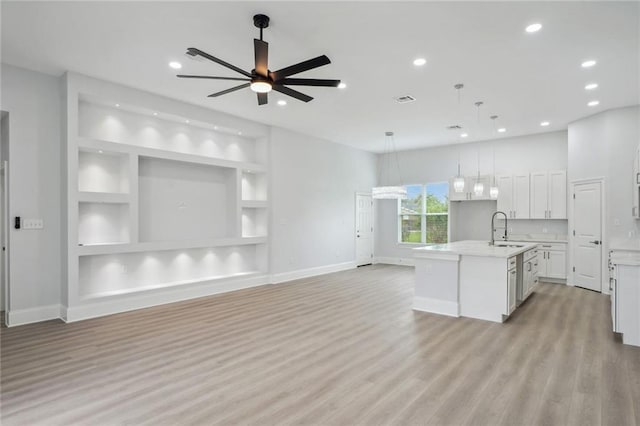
(32,224)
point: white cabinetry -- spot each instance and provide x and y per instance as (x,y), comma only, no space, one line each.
(529,273)
(625,295)
(513,195)
(552,260)
(512,286)
(548,195)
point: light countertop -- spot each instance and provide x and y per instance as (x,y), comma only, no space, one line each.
(474,248)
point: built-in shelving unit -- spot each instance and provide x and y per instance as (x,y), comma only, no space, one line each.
(161,205)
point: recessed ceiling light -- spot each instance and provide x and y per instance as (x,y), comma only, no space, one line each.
(593,103)
(502,130)
(99,151)
(175,65)
(117,105)
(155,113)
(239,133)
(215,127)
(186,121)
(342,85)
(464,135)
(533,28)
(418,62)
(588,64)
(544,123)
(591,86)
(282,102)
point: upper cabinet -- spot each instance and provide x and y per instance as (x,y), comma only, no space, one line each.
(548,195)
(513,195)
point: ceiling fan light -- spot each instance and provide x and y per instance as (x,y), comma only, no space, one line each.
(261,87)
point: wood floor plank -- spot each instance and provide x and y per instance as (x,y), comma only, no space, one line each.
(338,349)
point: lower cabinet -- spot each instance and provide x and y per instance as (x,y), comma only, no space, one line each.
(552,261)
(512,287)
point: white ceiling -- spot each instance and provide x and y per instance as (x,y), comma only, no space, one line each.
(523,78)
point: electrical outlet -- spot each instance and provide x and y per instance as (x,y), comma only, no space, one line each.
(32,224)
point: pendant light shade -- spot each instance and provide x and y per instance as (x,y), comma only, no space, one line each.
(478,189)
(389,192)
(458,184)
(493,192)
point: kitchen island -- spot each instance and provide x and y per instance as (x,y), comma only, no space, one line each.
(474,279)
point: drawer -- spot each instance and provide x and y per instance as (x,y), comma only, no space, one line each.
(512,262)
(530,254)
(552,247)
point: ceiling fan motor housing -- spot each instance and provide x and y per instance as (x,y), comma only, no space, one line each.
(261,21)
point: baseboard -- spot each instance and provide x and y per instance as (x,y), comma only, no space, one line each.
(311,272)
(119,304)
(31,315)
(403,261)
(435,306)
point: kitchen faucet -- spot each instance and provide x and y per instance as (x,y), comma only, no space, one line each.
(493,228)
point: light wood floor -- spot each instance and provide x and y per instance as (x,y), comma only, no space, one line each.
(344,348)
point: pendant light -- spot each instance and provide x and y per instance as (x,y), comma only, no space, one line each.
(458,181)
(493,190)
(478,187)
(392,192)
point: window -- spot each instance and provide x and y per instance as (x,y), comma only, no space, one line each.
(424,215)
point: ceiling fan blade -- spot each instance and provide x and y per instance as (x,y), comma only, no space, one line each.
(263,98)
(192,51)
(233,89)
(301,67)
(308,82)
(262,57)
(212,77)
(293,93)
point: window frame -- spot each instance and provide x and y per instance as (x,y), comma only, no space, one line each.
(423,216)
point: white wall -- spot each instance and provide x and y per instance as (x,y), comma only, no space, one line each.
(313,186)
(33,101)
(471,220)
(604,145)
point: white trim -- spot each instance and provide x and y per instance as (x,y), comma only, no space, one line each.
(31,315)
(402,261)
(436,306)
(117,305)
(604,286)
(311,272)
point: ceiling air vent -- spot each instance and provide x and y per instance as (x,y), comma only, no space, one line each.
(404,99)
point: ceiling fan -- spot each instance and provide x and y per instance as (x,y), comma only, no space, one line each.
(261,80)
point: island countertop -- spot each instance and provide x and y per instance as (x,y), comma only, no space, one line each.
(474,248)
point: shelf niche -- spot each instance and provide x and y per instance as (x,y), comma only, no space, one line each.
(103,223)
(254,222)
(254,186)
(141,128)
(181,201)
(103,172)
(109,275)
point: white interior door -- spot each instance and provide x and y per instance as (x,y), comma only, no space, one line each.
(364,229)
(587,243)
